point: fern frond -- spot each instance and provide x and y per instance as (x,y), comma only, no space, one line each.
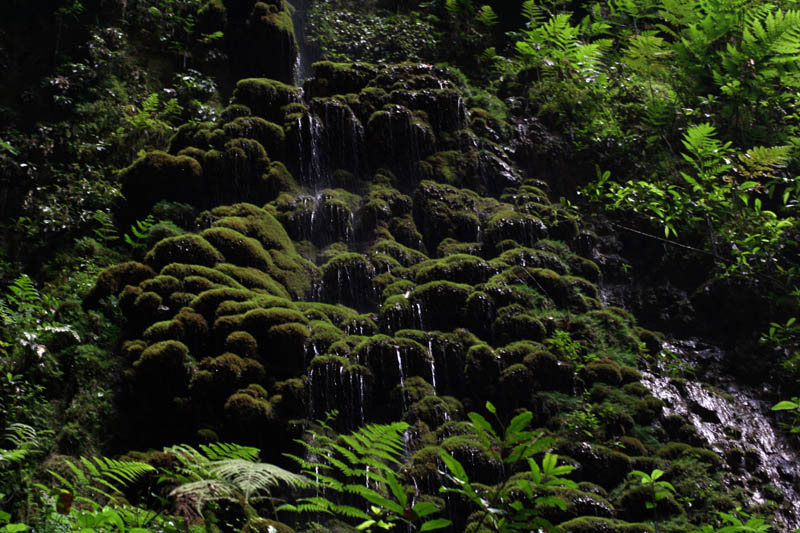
(487,16)
(698,138)
(533,12)
(253,478)
(216,451)
(22,436)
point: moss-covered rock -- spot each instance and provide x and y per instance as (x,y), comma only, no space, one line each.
(459,268)
(160,176)
(265,97)
(435,410)
(162,368)
(590,524)
(347,278)
(190,248)
(114,278)
(441,304)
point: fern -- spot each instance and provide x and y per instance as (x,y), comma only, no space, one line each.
(25,441)
(533,12)
(138,235)
(360,465)
(224,471)
(487,16)
(106,231)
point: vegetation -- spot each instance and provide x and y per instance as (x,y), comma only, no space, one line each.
(460,234)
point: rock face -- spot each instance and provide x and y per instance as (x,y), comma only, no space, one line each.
(369,245)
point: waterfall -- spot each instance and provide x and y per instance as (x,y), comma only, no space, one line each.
(713,401)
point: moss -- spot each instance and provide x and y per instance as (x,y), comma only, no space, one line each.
(560,289)
(435,410)
(265,97)
(245,411)
(396,313)
(515,385)
(193,276)
(191,248)
(403,254)
(220,375)
(285,346)
(652,340)
(162,368)
(242,343)
(268,134)
(278,180)
(164,330)
(442,211)
(441,304)
(633,446)
(340,316)
(450,246)
(675,450)
(162,285)
(599,464)
(414,390)
(132,350)
(594,524)
(399,287)
(206,303)
(340,78)
(630,375)
(162,230)
(479,465)
(252,278)
(521,227)
(234,111)
(459,268)
(530,258)
(324,334)
(258,321)
(160,176)
(602,371)
(453,167)
(115,278)
(512,325)
(347,278)
(147,304)
(482,372)
(637,501)
(635,389)
(384,203)
(549,372)
(405,232)
(127,298)
(238,249)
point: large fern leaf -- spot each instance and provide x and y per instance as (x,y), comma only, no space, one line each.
(252,479)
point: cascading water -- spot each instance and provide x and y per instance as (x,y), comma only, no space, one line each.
(755,450)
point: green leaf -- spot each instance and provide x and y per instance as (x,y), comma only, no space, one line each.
(518,423)
(480,422)
(785,405)
(455,467)
(373,497)
(437,523)
(423,509)
(491,408)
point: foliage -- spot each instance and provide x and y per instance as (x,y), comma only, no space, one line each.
(723,193)
(512,445)
(733,524)
(223,472)
(793,407)
(362,465)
